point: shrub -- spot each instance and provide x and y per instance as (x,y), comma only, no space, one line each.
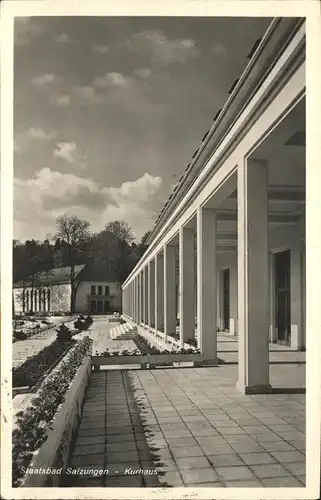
(35,422)
(64,334)
(35,367)
(20,335)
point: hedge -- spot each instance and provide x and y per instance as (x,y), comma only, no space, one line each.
(35,367)
(34,423)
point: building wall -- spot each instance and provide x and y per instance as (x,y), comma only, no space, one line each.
(280,238)
(83,296)
(59,298)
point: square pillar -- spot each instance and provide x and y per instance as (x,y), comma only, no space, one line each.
(159,292)
(141,297)
(253,276)
(136,299)
(151,294)
(297,342)
(145,277)
(169,290)
(186,284)
(206,283)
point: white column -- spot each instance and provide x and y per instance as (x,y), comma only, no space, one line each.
(186,284)
(146,295)
(233,296)
(159,292)
(141,297)
(137,300)
(253,301)
(134,298)
(151,294)
(169,290)
(206,283)
(296,299)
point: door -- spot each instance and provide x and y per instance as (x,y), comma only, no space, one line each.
(92,306)
(283,296)
(99,306)
(226,299)
(106,306)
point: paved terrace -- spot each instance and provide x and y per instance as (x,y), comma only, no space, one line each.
(193,428)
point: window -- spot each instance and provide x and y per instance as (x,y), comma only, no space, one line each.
(93,290)
(100,290)
(106,290)
(48,300)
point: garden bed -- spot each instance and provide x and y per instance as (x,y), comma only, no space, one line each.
(45,429)
(146,355)
(36,367)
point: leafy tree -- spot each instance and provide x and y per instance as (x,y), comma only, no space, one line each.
(75,237)
(142,247)
(121,230)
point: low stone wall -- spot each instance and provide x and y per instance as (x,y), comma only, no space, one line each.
(52,456)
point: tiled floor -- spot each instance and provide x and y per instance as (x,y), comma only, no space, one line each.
(189,427)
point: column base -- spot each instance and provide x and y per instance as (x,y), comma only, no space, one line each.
(206,362)
(254,389)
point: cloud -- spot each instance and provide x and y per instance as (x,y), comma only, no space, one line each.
(45,79)
(142,72)
(62,38)
(53,193)
(61,100)
(218,49)
(111,80)
(85,93)
(23,140)
(26,28)
(66,151)
(100,49)
(159,50)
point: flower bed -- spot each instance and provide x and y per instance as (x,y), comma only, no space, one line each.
(45,428)
(29,373)
(145,354)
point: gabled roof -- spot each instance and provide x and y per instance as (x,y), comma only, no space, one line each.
(57,276)
(98,273)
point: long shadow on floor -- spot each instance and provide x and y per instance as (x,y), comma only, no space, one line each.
(114,436)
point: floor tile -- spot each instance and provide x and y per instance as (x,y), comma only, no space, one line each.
(224,460)
(198,476)
(282,482)
(269,471)
(120,438)
(257,458)
(198,462)
(121,457)
(89,459)
(123,481)
(121,446)
(251,483)
(234,473)
(170,478)
(296,468)
(189,451)
(89,449)
(288,456)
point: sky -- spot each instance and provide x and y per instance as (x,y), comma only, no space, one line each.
(109,111)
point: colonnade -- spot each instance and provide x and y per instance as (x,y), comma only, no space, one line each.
(36,300)
(149,298)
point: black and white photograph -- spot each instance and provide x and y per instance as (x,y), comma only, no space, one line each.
(159,298)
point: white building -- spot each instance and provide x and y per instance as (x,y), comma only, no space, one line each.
(237,220)
(95,292)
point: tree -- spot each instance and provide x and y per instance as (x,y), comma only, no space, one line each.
(75,236)
(142,247)
(121,230)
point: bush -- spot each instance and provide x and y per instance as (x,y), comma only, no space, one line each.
(34,423)
(20,335)
(35,367)
(64,334)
